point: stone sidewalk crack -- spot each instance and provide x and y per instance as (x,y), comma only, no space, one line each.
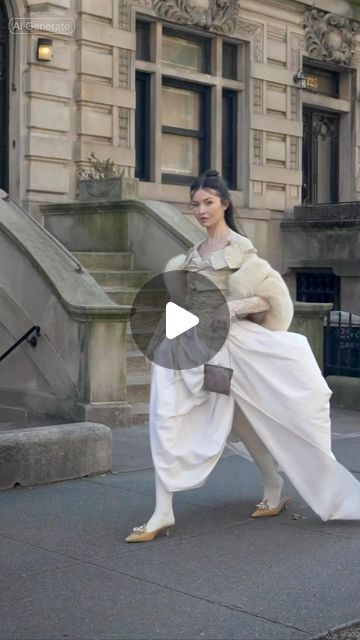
(78,562)
(219,603)
(40,548)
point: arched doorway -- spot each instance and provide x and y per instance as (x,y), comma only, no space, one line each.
(4,98)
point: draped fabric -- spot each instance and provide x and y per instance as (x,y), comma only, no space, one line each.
(277,387)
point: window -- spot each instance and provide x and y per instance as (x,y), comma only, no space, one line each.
(188,97)
(318,286)
(188,52)
(229,138)
(230,61)
(143,40)
(142,126)
(185,131)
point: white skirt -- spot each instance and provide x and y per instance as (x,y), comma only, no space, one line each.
(280,390)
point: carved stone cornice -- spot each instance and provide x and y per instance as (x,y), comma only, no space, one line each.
(245,28)
(218,16)
(330,37)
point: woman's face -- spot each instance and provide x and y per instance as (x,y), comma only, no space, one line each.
(208,207)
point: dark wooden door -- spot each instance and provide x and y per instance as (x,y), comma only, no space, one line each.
(320,157)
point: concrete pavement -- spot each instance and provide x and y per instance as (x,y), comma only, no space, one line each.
(65,571)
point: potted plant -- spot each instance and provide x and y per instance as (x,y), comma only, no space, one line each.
(105,180)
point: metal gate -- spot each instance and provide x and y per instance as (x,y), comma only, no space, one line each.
(342,345)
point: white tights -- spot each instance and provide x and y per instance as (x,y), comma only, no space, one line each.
(272,480)
(164,515)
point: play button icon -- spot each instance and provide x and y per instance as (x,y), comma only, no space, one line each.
(178,320)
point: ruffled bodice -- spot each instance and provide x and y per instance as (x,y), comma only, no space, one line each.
(201,290)
(240,274)
(219,265)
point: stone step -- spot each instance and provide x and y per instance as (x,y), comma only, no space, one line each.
(139,413)
(122,295)
(101,260)
(121,278)
(136,362)
(138,388)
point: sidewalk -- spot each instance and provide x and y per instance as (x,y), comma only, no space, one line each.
(65,571)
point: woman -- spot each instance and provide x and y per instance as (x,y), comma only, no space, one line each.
(278,408)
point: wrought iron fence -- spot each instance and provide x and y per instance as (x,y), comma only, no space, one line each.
(342,344)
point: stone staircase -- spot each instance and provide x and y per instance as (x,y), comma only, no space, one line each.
(100,234)
(116,273)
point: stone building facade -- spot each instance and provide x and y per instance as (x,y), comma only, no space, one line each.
(264,91)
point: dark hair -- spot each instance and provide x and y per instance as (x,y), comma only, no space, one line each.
(211,179)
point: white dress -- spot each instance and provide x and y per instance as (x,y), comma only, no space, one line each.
(277,387)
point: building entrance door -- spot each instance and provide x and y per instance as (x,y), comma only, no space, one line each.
(4,98)
(320,157)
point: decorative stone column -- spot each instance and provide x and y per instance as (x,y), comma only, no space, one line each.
(309,321)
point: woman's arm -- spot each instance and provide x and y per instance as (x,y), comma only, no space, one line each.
(253,308)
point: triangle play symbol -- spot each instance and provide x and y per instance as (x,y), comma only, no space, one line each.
(178,320)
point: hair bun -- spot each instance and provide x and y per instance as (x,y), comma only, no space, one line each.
(211,173)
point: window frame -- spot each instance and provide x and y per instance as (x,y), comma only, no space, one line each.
(204,41)
(203,134)
(235,62)
(334,293)
(146,42)
(143,172)
(232,179)
(213,82)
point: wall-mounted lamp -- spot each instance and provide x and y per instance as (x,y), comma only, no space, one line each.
(44,50)
(299,79)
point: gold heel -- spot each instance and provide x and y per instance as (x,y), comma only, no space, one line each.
(263,510)
(141,534)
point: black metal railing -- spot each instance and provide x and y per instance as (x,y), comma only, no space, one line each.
(30,336)
(342,344)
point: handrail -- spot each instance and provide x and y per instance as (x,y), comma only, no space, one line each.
(32,341)
(79,267)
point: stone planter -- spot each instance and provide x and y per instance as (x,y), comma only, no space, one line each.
(108,189)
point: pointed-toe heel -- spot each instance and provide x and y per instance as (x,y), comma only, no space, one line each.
(263,510)
(141,534)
